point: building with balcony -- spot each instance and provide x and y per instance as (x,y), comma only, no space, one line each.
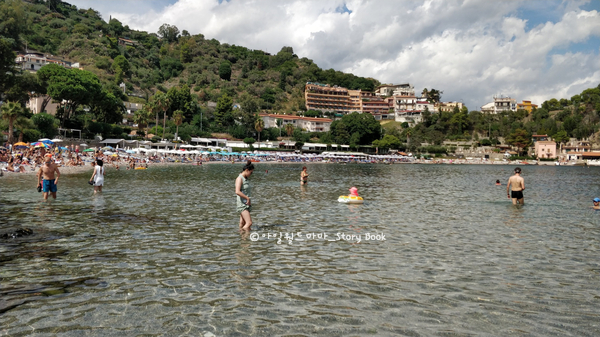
(328,99)
(447,106)
(526,105)
(404,90)
(545,149)
(500,104)
(33,61)
(395,90)
(310,124)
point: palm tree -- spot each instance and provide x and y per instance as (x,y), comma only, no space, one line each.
(11,111)
(142,118)
(23,123)
(259,125)
(163,103)
(178,119)
(289,128)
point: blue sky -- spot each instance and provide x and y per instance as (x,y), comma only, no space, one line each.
(472,50)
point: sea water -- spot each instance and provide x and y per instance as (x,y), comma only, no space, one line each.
(434,250)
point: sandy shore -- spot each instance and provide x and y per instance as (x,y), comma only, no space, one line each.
(68,170)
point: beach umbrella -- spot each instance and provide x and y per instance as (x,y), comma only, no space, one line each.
(56,140)
(3,148)
(40,144)
(21,144)
(88,150)
(46,141)
(21,147)
(63,148)
(107,147)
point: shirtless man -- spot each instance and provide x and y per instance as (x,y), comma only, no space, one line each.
(518,185)
(49,180)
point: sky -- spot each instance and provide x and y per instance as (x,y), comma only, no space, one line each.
(471,50)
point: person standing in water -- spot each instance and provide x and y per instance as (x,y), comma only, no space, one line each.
(49,181)
(242,190)
(98,176)
(517,183)
(303,176)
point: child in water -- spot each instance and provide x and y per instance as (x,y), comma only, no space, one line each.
(596,202)
(353,192)
(498,182)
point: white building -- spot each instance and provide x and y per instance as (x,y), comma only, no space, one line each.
(33,61)
(309,124)
(500,104)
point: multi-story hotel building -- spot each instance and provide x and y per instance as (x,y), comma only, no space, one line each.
(326,98)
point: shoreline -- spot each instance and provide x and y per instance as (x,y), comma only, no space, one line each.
(70,170)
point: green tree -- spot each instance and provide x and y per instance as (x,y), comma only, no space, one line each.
(23,124)
(387,142)
(76,87)
(121,67)
(519,138)
(162,103)
(561,137)
(13,21)
(259,125)
(108,108)
(181,99)
(168,32)
(143,117)
(10,112)
(178,119)
(365,125)
(224,113)
(248,111)
(289,129)
(46,124)
(225,70)
(250,141)
(433,96)
(7,68)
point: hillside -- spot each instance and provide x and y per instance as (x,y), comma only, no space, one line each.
(173,58)
(175,74)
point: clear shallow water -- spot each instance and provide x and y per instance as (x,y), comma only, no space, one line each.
(159,254)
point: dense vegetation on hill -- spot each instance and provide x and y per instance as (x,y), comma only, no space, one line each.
(207,69)
(175,74)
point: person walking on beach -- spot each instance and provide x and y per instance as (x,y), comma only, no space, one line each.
(47,179)
(517,183)
(303,176)
(242,190)
(98,176)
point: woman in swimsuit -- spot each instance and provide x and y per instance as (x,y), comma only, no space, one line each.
(242,190)
(303,176)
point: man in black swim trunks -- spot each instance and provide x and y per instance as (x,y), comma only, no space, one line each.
(517,183)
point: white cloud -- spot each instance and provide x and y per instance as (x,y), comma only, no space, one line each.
(470,49)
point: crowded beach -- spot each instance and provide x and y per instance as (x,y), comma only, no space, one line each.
(24,158)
